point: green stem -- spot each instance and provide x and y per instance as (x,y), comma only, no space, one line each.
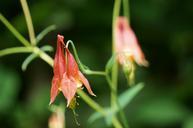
(14,31)
(116,122)
(126,9)
(14,50)
(124,119)
(28,21)
(35,50)
(116,11)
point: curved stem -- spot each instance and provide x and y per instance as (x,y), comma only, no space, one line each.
(14,31)
(75,54)
(82,67)
(28,21)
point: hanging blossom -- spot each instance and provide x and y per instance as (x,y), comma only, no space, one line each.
(126,44)
(127,48)
(67,77)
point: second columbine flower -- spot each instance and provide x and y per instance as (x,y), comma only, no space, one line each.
(127,48)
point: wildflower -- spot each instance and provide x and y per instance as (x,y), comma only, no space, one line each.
(127,48)
(67,77)
(126,44)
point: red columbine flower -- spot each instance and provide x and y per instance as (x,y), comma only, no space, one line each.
(126,44)
(67,77)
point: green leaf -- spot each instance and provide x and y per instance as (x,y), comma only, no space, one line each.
(124,99)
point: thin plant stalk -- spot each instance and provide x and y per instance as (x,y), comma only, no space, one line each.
(14,50)
(28,21)
(116,10)
(14,31)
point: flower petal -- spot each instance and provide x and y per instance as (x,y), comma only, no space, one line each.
(72,67)
(59,60)
(126,42)
(68,86)
(86,83)
(54,89)
(131,39)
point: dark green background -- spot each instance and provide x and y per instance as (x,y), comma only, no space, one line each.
(164,29)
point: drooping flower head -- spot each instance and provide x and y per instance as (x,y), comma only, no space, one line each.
(67,77)
(126,43)
(127,48)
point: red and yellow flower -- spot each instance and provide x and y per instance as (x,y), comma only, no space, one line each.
(67,76)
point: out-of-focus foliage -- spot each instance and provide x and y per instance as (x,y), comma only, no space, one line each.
(164,29)
(10,85)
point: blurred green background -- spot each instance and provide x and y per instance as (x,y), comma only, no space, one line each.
(165,32)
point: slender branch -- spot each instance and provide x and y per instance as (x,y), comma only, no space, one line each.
(41,35)
(14,50)
(14,31)
(28,21)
